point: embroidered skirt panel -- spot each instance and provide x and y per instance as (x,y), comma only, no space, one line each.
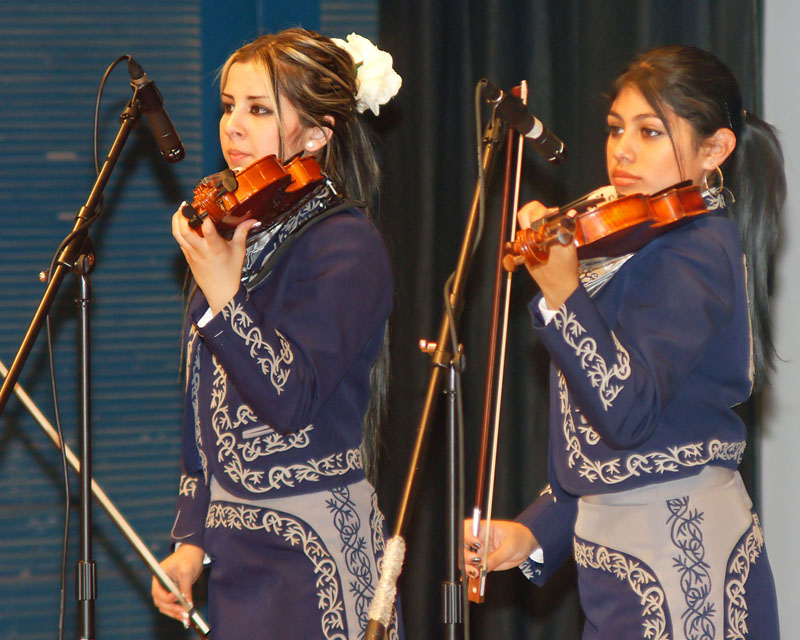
(684,560)
(299,567)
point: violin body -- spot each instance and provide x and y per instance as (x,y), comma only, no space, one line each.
(264,190)
(613,228)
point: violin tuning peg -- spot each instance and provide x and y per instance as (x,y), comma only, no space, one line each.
(568,223)
(565,236)
(190,213)
(510,262)
(228,181)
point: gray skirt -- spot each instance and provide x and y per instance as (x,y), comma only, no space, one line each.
(299,567)
(674,560)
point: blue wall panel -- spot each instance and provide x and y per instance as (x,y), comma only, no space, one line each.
(53,55)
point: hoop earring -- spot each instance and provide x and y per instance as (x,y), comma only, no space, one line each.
(719,195)
(716,189)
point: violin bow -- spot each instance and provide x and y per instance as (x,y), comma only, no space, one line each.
(476,587)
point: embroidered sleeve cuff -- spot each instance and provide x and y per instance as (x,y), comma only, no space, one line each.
(206,557)
(541,315)
(213,325)
(533,570)
(190,512)
(532,567)
(552,523)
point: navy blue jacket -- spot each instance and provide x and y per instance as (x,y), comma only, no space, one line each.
(278,382)
(644,375)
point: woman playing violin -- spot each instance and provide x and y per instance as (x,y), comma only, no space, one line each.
(650,351)
(285,352)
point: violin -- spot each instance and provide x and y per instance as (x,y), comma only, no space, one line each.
(264,190)
(606,228)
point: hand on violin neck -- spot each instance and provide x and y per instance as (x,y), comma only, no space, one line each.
(558,276)
(531,212)
(216,263)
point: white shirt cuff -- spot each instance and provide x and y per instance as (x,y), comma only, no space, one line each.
(206,557)
(547,314)
(202,322)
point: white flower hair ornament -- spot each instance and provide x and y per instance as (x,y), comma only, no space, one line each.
(376,81)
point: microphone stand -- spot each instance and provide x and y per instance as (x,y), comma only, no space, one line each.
(453,605)
(381,607)
(86,572)
(77,256)
(200,625)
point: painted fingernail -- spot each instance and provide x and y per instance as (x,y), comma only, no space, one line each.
(476,560)
(185,620)
(475,546)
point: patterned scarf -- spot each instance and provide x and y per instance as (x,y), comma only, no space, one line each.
(263,244)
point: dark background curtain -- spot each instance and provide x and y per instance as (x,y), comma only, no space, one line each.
(569,51)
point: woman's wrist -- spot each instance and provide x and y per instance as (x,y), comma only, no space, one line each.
(557,294)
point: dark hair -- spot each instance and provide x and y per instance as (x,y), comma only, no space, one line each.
(319,79)
(696,86)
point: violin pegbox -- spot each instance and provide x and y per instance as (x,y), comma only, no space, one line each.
(265,190)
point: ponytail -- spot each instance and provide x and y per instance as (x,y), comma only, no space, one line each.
(755,174)
(697,86)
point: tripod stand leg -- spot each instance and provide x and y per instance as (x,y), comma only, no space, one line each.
(122,524)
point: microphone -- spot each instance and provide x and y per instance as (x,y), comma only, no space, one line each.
(511,109)
(152,104)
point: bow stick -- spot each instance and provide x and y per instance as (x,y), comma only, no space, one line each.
(476,587)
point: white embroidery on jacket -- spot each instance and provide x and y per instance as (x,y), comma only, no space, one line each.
(277,477)
(596,368)
(619,469)
(272,442)
(188,485)
(193,376)
(268,358)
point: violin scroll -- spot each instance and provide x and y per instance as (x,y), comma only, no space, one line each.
(532,245)
(208,191)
